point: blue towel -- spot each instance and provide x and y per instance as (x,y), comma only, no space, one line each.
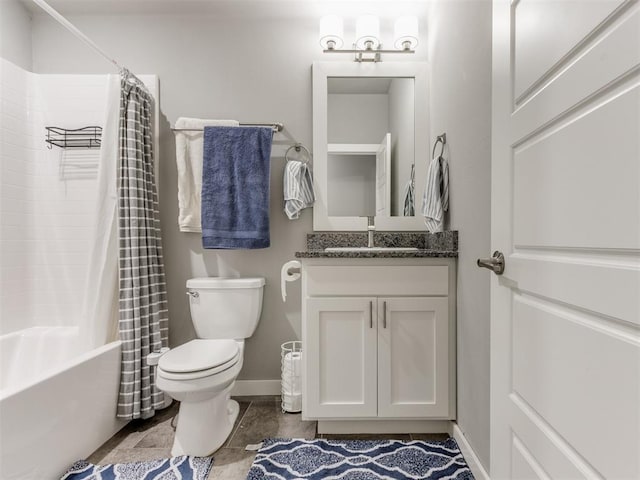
(235,187)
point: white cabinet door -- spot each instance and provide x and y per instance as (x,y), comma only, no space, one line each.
(413,357)
(340,357)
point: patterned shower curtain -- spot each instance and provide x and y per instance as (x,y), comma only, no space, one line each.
(143,305)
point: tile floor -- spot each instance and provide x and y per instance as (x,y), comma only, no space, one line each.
(259,418)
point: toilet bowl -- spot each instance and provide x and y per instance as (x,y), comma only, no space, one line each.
(201,373)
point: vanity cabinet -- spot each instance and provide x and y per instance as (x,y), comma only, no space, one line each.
(378,338)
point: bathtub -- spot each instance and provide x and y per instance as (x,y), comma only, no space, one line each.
(57,401)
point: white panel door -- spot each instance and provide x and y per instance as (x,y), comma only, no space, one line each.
(565,315)
(413,357)
(340,356)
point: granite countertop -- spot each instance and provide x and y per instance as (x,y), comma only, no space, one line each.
(421,253)
(437,245)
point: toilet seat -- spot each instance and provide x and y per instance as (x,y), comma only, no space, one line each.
(199,358)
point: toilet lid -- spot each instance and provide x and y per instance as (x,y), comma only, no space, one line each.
(200,354)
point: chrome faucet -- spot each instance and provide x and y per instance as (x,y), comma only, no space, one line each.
(370,229)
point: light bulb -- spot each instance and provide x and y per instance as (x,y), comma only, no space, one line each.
(406,33)
(367,32)
(331,32)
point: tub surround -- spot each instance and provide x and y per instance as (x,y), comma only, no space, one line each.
(436,245)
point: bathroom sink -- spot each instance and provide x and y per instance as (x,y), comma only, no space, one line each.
(371,249)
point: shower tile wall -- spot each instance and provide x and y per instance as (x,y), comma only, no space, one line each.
(16,166)
(47,196)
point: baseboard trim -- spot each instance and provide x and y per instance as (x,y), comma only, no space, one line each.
(469,455)
(256,387)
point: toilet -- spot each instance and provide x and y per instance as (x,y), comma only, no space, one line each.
(201,373)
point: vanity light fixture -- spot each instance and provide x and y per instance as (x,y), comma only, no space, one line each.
(331,32)
(367,32)
(367,46)
(405,33)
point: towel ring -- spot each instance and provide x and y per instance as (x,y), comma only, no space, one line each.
(298,147)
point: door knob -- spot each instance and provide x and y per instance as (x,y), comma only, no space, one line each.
(495,263)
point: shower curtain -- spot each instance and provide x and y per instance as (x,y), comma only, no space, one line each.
(99,324)
(142,298)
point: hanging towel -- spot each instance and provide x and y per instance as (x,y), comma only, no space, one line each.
(409,196)
(435,200)
(235,187)
(189,163)
(298,188)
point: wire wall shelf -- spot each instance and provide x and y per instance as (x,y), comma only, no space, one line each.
(86,137)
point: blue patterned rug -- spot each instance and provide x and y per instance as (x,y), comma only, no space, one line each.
(176,468)
(287,459)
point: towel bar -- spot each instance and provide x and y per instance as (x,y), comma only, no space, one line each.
(277,127)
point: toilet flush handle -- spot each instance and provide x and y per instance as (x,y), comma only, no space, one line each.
(193,294)
(154,357)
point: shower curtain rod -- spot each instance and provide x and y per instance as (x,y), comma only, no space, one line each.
(73,29)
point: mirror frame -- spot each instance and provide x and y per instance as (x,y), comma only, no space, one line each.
(321,71)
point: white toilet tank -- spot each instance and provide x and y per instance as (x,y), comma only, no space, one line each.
(225,307)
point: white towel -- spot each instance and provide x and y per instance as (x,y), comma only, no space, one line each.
(435,200)
(189,163)
(298,188)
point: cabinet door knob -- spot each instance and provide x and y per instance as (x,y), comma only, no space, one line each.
(370,314)
(384,314)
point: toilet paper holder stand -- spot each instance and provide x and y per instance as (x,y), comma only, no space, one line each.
(291,372)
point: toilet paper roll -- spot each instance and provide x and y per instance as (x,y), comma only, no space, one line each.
(292,386)
(287,276)
(291,373)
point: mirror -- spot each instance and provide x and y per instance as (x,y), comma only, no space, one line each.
(370,135)
(368,150)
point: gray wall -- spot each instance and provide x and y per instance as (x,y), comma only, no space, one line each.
(209,67)
(460,56)
(354,118)
(351,189)
(357,118)
(402,129)
(15,33)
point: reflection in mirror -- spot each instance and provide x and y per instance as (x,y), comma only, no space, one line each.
(370,142)
(370,146)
